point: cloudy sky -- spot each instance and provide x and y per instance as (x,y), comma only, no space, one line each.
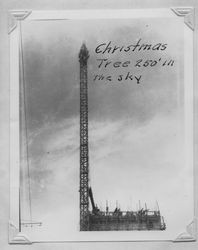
(136,132)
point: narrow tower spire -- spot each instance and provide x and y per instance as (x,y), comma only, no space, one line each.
(84,149)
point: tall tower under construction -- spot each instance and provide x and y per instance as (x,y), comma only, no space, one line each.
(84,147)
(95,219)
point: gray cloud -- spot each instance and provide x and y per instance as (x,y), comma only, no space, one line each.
(52,73)
(51,69)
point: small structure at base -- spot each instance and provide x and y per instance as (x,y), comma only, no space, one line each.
(118,220)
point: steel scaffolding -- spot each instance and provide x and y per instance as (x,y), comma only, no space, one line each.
(84,148)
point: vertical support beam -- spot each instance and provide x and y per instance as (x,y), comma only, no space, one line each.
(84,149)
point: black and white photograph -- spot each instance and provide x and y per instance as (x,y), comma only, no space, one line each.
(105,118)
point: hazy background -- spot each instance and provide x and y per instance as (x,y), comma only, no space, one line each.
(135,131)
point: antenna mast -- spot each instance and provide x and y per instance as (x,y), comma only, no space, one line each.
(84,150)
